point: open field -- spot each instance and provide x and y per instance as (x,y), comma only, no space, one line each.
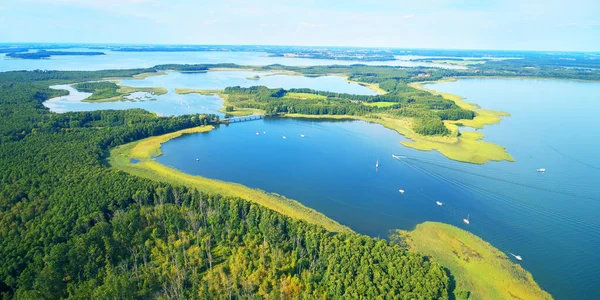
(476,265)
(195,91)
(304,96)
(147,167)
(380,104)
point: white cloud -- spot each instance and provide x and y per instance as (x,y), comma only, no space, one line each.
(312,25)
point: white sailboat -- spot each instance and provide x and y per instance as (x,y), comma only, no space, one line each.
(401,191)
(284,137)
(257,133)
(302,135)
(517,257)
(467,220)
(439,203)
(377,164)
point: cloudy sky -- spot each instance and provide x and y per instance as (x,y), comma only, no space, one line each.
(509,24)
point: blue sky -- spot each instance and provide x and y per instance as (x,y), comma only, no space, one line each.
(462,24)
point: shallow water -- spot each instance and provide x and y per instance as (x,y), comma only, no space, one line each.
(550,219)
(175,104)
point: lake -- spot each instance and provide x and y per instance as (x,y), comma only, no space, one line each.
(175,104)
(131,60)
(550,219)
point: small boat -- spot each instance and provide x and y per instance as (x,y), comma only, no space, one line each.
(395,156)
(377,164)
(542,170)
(439,203)
(467,220)
(257,133)
(264,132)
(197,159)
(284,137)
(517,257)
(302,135)
(401,191)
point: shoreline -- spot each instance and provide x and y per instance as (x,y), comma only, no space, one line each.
(430,239)
(146,166)
(477,266)
(468,147)
(125,91)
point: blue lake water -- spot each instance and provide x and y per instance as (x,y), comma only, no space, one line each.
(130,60)
(175,104)
(550,219)
(222,79)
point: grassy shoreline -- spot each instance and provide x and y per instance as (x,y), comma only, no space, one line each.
(477,266)
(238,112)
(125,91)
(468,147)
(147,167)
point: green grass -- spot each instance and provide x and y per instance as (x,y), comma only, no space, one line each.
(149,74)
(304,96)
(235,112)
(122,91)
(195,91)
(468,147)
(380,104)
(373,86)
(475,264)
(147,167)
(482,116)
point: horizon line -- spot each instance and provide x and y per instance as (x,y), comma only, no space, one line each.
(308,46)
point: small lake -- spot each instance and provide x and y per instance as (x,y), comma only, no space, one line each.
(175,104)
(131,60)
(550,219)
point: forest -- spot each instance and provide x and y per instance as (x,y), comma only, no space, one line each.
(99,90)
(426,109)
(70,226)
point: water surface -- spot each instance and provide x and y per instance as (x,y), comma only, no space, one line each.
(176,104)
(130,60)
(550,219)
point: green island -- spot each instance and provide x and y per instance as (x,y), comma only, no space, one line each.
(45,54)
(106,91)
(430,120)
(479,270)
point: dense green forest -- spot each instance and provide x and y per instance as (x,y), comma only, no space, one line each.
(70,226)
(427,109)
(99,90)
